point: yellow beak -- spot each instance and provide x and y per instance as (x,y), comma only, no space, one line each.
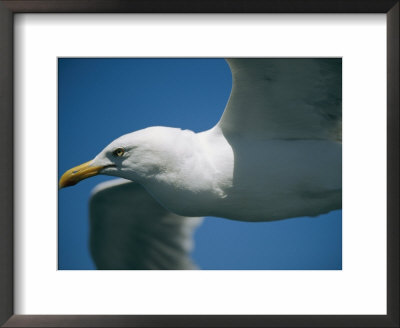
(78,173)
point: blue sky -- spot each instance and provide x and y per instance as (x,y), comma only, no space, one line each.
(101,99)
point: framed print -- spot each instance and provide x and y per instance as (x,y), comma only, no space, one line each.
(56,52)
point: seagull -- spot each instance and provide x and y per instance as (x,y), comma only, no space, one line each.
(276,153)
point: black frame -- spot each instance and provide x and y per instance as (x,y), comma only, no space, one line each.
(7,10)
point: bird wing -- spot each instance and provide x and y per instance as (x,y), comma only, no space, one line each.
(298,98)
(129,230)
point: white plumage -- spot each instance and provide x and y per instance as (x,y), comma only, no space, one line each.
(275,154)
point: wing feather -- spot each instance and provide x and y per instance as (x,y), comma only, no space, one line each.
(283,98)
(129,230)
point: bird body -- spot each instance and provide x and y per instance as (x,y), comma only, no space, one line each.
(206,174)
(276,153)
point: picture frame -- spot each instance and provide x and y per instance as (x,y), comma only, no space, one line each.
(7,10)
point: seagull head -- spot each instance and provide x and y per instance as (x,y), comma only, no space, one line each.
(135,156)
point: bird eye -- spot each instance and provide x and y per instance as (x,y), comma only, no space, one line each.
(119,152)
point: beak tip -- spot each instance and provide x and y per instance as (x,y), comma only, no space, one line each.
(78,173)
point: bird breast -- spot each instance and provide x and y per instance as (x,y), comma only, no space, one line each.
(197,182)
